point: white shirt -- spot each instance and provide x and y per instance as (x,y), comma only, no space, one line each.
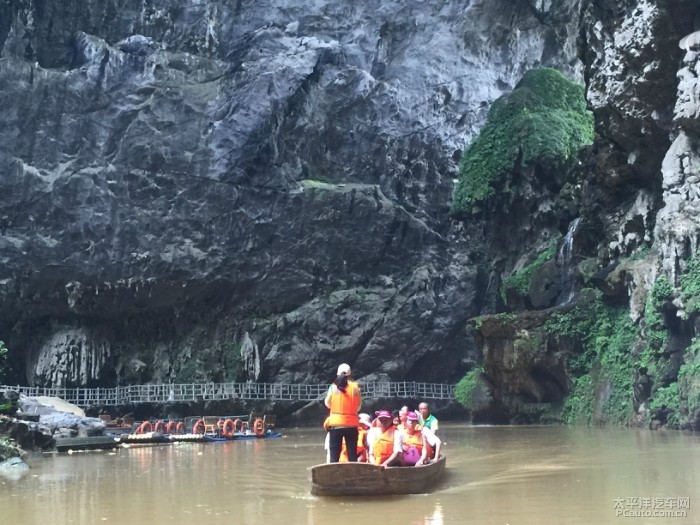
(430,436)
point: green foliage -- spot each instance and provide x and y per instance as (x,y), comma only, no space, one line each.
(9,408)
(666,404)
(543,118)
(521,280)
(689,379)
(608,337)
(233,362)
(640,253)
(671,403)
(507,317)
(661,291)
(578,406)
(466,387)
(656,333)
(8,449)
(690,286)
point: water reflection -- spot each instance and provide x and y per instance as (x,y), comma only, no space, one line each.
(523,475)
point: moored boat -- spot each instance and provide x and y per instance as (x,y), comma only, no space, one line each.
(227,427)
(364,479)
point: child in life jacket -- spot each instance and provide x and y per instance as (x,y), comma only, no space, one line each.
(365,424)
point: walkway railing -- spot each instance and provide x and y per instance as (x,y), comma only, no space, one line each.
(188,392)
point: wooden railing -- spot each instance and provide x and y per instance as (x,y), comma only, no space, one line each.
(187,392)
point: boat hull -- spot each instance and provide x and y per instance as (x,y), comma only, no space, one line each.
(363,479)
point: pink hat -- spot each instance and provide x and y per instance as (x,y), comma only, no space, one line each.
(383,413)
(411,416)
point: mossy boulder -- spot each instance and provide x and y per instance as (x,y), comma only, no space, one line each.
(543,120)
(535,285)
(524,367)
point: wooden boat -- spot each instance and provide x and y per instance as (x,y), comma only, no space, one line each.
(363,479)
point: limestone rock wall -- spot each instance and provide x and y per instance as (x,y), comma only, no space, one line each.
(175,175)
(677,233)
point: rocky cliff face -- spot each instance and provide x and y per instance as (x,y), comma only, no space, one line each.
(216,190)
(248,190)
(633,235)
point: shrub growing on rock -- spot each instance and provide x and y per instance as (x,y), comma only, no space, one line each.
(543,119)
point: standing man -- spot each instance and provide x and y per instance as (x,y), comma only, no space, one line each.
(344,400)
(426,418)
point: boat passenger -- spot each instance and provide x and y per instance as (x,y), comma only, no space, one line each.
(365,425)
(396,421)
(414,445)
(426,418)
(434,442)
(402,417)
(384,442)
(343,399)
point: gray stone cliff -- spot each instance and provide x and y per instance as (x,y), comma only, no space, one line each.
(261,190)
(180,177)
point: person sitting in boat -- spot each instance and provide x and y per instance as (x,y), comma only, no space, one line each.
(432,439)
(343,399)
(365,425)
(426,418)
(414,445)
(396,420)
(384,441)
(403,412)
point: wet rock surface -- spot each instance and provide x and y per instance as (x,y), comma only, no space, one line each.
(216,191)
(179,177)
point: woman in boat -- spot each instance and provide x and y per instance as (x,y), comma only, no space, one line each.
(384,442)
(344,400)
(414,446)
(402,417)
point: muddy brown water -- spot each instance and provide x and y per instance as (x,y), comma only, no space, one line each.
(495,475)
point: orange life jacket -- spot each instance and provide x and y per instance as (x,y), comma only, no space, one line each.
(383,447)
(431,452)
(360,447)
(344,406)
(414,441)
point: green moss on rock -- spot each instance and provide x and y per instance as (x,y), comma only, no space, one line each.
(467,387)
(603,374)
(690,286)
(520,281)
(544,118)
